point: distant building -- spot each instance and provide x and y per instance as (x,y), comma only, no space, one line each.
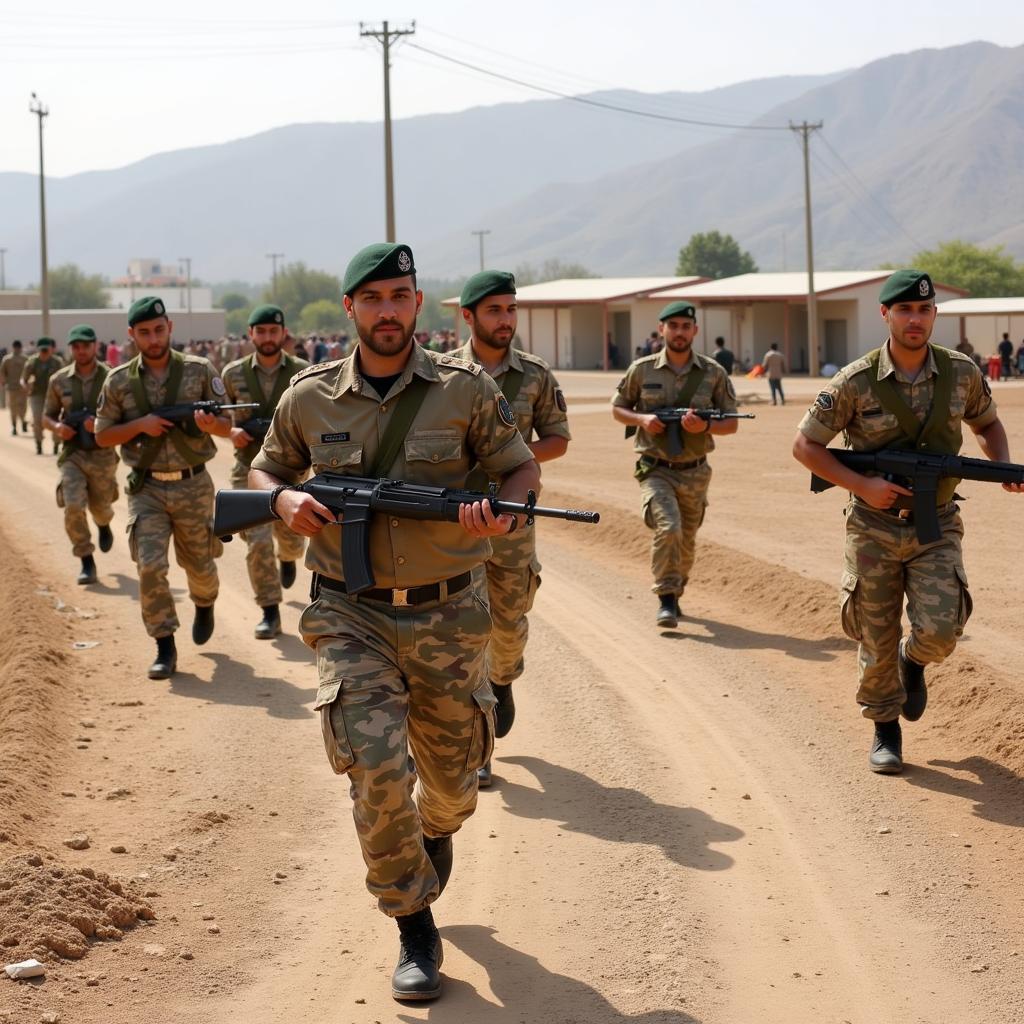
(983,321)
(175,297)
(151,273)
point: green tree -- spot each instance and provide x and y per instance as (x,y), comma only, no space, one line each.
(712,254)
(237,321)
(230,301)
(72,289)
(298,286)
(322,315)
(982,272)
(433,316)
(550,270)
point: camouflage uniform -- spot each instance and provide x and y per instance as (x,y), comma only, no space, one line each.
(11,369)
(181,504)
(260,558)
(673,492)
(88,479)
(395,679)
(884,560)
(36,379)
(513,572)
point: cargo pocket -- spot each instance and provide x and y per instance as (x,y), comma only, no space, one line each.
(133,541)
(481,745)
(339,750)
(533,586)
(966,601)
(60,494)
(848,611)
(646,508)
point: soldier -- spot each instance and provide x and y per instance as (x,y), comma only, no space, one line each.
(169,491)
(88,474)
(263,377)
(11,369)
(488,303)
(673,491)
(403,666)
(912,395)
(35,379)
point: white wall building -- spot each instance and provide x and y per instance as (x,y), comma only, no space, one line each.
(174,298)
(27,325)
(983,321)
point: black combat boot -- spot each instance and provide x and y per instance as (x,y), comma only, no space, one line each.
(483,776)
(88,573)
(106,538)
(270,625)
(912,678)
(668,612)
(505,712)
(202,625)
(440,853)
(417,975)
(287,574)
(39,447)
(887,749)
(166,658)
(56,447)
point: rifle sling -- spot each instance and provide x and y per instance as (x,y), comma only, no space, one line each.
(79,403)
(151,446)
(398,426)
(695,444)
(288,368)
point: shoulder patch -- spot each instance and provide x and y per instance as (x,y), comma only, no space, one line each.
(529,357)
(312,371)
(217,387)
(505,413)
(460,364)
(825,401)
(560,400)
(621,384)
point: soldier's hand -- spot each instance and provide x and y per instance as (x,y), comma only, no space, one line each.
(479,520)
(1014,488)
(239,438)
(694,424)
(881,493)
(302,513)
(205,421)
(652,424)
(64,432)
(154,426)
(90,425)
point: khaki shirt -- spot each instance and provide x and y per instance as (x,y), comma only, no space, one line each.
(539,408)
(238,388)
(11,368)
(652,383)
(330,419)
(60,401)
(199,382)
(36,375)
(849,405)
(774,364)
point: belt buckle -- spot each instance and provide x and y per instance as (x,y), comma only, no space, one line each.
(166,477)
(400,598)
(905,513)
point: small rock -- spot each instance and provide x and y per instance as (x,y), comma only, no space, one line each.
(87,723)
(118,849)
(119,793)
(980,969)
(170,855)
(186,954)
(882,892)
(50,1017)
(67,792)
(208,917)
(280,874)
(35,860)
(77,842)
(746,796)
(884,831)
(360,1001)
(92,981)
(214,929)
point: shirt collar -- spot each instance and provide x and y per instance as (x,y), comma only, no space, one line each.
(886,366)
(510,361)
(661,362)
(257,365)
(349,378)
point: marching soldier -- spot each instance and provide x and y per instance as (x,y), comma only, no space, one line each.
(488,303)
(35,379)
(913,395)
(263,377)
(88,474)
(169,491)
(673,490)
(402,666)
(12,367)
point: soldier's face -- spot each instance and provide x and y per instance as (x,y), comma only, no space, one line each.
(152,337)
(268,338)
(384,314)
(910,323)
(83,352)
(44,353)
(494,320)
(678,333)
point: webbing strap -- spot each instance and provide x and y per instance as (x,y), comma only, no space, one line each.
(398,426)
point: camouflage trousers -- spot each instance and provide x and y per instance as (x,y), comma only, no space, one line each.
(182,509)
(884,564)
(17,400)
(674,502)
(395,682)
(88,481)
(513,576)
(37,402)
(260,558)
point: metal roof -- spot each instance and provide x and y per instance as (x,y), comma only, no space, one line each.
(574,290)
(982,307)
(785,285)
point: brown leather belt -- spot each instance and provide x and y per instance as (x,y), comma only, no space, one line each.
(398,598)
(175,474)
(665,464)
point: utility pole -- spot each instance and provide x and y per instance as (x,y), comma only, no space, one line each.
(384,35)
(37,108)
(480,235)
(3,274)
(187,260)
(804,130)
(274,257)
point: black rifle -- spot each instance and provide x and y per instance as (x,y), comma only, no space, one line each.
(673,418)
(183,411)
(84,440)
(256,427)
(354,501)
(921,473)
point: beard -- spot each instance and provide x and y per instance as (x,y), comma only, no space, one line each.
(679,345)
(269,348)
(914,342)
(155,351)
(386,344)
(500,338)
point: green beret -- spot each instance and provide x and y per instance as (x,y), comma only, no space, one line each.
(678,309)
(45,343)
(266,315)
(906,286)
(378,262)
(487,282)
(149,307)
(81,332)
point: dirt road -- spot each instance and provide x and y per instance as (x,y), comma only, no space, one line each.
(682,827)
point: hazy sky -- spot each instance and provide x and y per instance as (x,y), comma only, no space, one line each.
(127,78)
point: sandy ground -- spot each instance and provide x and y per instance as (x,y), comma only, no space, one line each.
(682,828)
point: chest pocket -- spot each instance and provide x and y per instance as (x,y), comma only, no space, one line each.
(652,396)
(339,455)
(433,446)
(876,422)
